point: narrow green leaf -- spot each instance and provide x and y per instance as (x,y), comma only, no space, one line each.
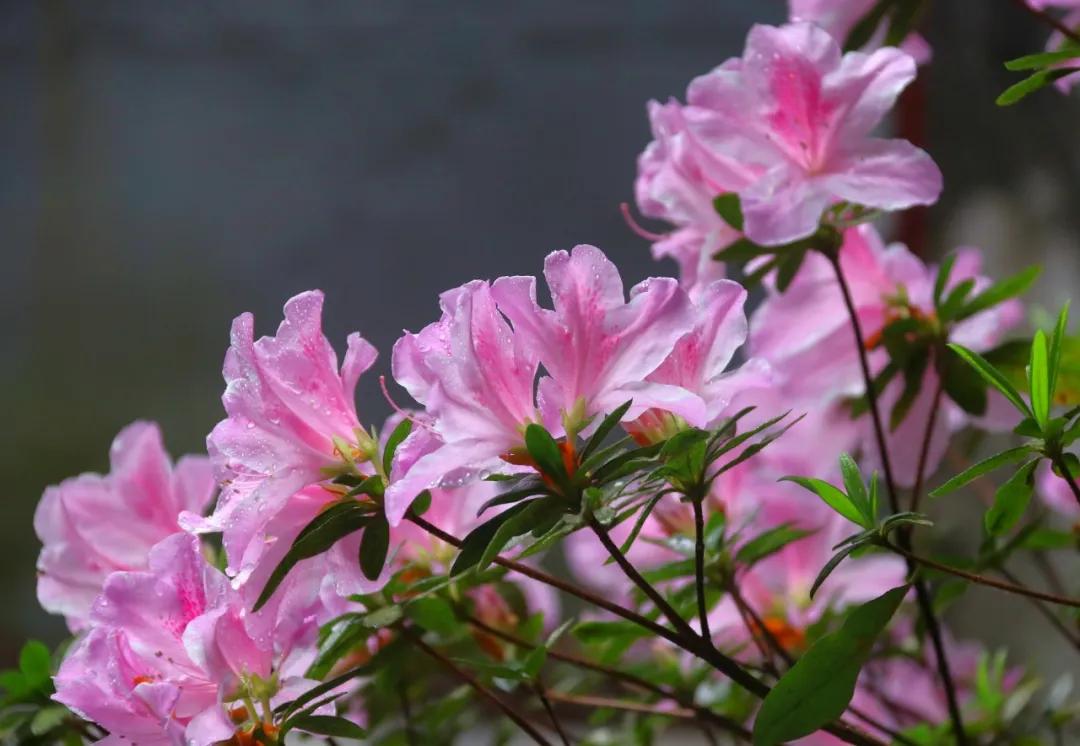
(533,487)
(868,25)
(1001,291)
(333,524)
(545,451)
(1036,82)
(639,523)
(833,497)
(788,268)
(992,376)
(832,564)
(397,437)
(856,488)
(328,725)
(961,383)
(518,524)
(1042,59)
(741,250)
(729,208)
(769,542)
(1056,341)
(942,278)
(475,544)
(608,424)
(985,466)
(953,303)
(1039,380)
(819,687)
(374,545)
(1011,500)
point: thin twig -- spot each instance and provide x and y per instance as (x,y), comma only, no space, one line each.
(922,595)
(546,702)
(726,723)
(699,567)
(691,643)
(1049,20)
(1063,470)
(924,451)
(482,690)
(1046,612)
(974,577)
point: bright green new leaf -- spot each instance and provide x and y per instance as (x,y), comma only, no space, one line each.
(1056,341)
(1001,291)
(856,489)
(1039,379)
(1011,500)
(328,725)
(818,688)
(1042,59)
(397,437)
(992,376)
(833,497)
(1041,79)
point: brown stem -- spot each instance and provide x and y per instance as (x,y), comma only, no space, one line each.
(924,451)
(546,702)
(691,644)
(983,580)
(625,677)
(922,595)
(1049,20)
(699,568)
(482,690)
(585,700)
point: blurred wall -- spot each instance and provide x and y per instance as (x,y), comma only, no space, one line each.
(166,166)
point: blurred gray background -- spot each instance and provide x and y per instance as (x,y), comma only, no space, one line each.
(166,166)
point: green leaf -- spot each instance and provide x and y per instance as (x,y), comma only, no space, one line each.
(985,466)
(769,542)
(421,504)
(833,497)
(789,267)
(35,663)
(1056,341)
(992,376)
(475,544)
(742,250)
(608,424)
(1042,59)
(533,487)
(639,523)
(601,631)
(818,688)
(545,452)
(835,561)
(433,613)
(1001,291)
(334,523)
(328,725)
(374,545)
(1011,500)
(1038,379)
(397,437)
(1036,82)
(903,20)
(942,278)
(48,718)
(729,208)
(954,301)
(856,489)
(961,383)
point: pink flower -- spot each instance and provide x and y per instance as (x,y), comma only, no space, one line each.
(474,376)
(92,525)
(597,348)
(291,413)
(168,656)
(678,179)
(839,18)
(699,363)
(806,335)
(800,114)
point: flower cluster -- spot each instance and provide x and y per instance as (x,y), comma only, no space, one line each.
(642,429)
